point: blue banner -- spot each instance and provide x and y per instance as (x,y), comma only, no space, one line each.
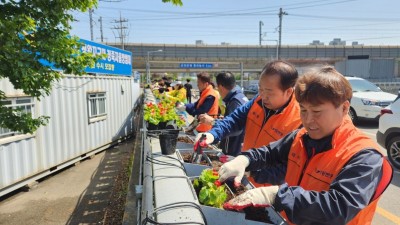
(196,65)
(117,62)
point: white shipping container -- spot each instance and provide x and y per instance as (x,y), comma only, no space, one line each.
(87,114)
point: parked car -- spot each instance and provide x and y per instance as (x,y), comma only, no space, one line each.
(251,91)
(253,87)
(368,99)
(388,134)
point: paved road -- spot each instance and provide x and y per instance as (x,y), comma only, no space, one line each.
(77,195)
(388,212)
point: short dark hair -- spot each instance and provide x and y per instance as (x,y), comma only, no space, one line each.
(188,80)
(205,78)
(226,80)
(325,84)
(285,70)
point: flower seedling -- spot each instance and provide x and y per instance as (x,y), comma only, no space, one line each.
(163,111)
(212,193)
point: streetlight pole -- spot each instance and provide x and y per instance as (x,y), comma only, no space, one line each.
(148,65)
(277,48)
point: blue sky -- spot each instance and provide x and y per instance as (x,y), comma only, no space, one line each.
(370,22)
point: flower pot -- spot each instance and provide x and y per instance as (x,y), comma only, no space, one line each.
(151,126)
(168,139)
(162,125)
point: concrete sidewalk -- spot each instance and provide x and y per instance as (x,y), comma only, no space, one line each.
(77,195)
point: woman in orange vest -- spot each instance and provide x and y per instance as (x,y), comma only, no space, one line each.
(335,173)
(207,103)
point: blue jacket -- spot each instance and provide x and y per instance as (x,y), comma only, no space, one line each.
(232,143)
(351,190)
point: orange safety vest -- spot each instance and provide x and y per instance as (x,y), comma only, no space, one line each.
(324,167)
(209,90)
(275,128)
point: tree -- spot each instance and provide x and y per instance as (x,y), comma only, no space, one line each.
(175,2)
(31,31)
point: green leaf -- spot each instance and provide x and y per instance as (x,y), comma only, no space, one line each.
(38,30)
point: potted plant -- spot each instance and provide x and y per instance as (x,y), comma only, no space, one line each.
(162,113)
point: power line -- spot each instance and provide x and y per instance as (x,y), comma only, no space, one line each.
(121,29)
(281,14)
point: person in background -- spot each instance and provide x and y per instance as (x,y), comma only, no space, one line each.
(167,82)
(155,85)
(269,116)
(207,103)
(178,94)
(233,98)
(335,173)
(188,88)
(161,86)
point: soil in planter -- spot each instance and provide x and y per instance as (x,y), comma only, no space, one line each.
(185,139)
(187,157)
(215,163)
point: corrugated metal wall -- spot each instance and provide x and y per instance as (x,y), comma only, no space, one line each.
(382,68)
(368,68)
(69,133)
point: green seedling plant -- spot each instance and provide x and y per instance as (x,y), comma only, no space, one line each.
(212,193)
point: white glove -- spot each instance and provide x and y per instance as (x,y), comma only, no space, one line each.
(234,168)
(258,197)
(181,107)
(209,138)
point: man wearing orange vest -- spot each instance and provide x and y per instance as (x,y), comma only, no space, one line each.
(207,103)
(335,173)
(269,116)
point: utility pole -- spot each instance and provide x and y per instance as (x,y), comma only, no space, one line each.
(261,24)
(121,29)
(281,14)
(91,23)
(101,29)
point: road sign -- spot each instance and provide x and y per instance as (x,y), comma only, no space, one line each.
(196,65)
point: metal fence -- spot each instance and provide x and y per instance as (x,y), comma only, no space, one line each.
(254,51)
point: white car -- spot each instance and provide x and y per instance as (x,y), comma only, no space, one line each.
(368,99)
(388,134)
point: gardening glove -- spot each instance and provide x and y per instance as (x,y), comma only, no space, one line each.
(234,168)
(258,197)
(209,138)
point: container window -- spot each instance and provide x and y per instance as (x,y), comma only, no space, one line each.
(25,104)
(97,105)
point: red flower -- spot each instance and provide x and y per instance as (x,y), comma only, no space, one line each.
(217,183)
